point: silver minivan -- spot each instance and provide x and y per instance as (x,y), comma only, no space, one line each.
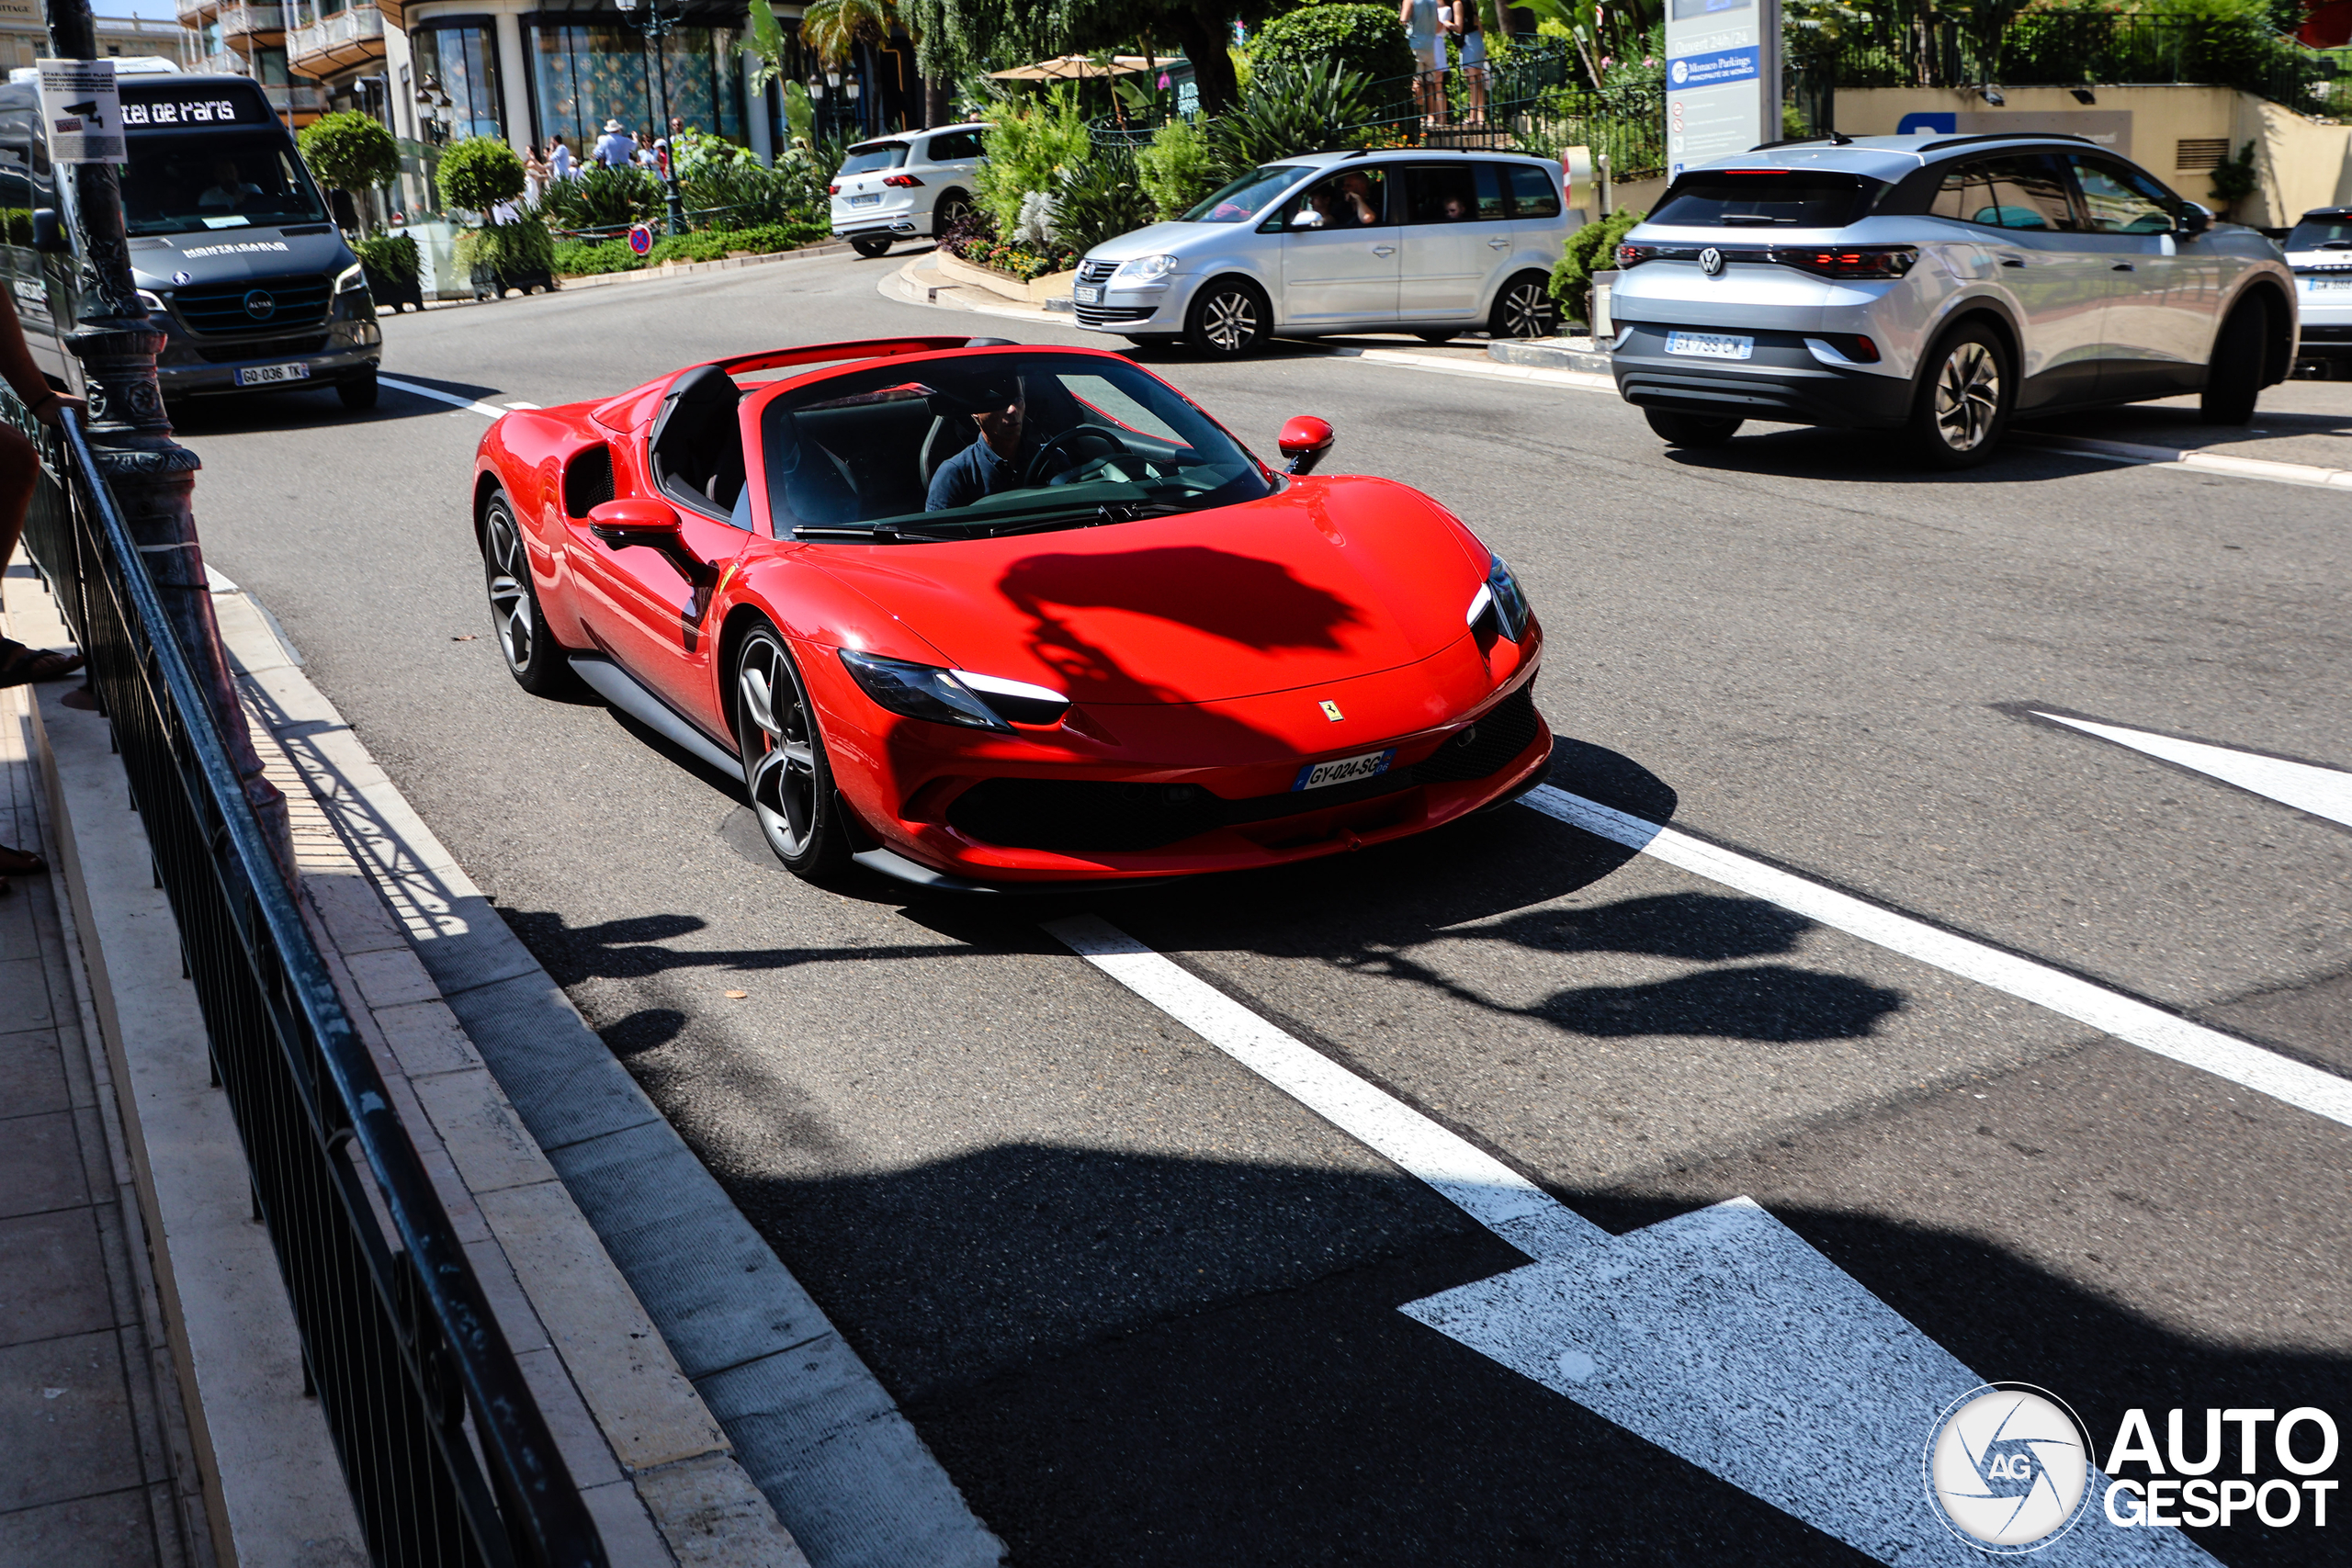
(1412,240)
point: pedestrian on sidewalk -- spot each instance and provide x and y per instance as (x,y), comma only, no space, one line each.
(1474,57)
(1426,33)
(613,148)
(560,160)
(19,469)
(536,175)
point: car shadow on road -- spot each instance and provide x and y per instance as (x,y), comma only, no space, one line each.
(1147,1359)
(1811,452)
(319,406)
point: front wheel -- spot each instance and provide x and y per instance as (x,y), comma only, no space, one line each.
(784,769)
(1963,407)
(357,392)
(1229,319)
(1693,430)
(1523,308)
(538,666)
(870,245)
(2234,377)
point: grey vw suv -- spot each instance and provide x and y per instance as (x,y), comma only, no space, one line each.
(1938,285)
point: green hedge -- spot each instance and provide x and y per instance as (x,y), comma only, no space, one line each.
(578,258)
(1367,39)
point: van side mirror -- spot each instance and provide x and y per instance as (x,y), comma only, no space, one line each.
(2194,218)
(49,233)
(344,210)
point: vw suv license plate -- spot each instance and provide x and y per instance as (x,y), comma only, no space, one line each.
(1088,294)
(2328,285)
(268,375)
(1710,345)
(865,200)
(1345,769)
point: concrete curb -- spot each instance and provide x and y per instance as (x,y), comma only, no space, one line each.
(274,1496)
(747,1385)
(920,282)
(667,270)
(1551,354)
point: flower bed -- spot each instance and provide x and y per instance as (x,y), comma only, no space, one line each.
(581,258)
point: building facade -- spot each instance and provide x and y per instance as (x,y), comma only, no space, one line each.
(24,35)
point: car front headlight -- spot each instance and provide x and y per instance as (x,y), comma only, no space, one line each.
(952,696)
(1146,269)
(1500,604)
(351,278)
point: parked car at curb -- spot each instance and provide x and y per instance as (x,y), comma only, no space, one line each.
(1415,240)
(1939,285)
(976,616)
(905,187)
(2319,248)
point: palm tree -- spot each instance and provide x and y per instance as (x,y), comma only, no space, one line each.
(835,27)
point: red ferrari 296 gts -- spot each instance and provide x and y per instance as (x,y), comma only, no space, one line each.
(978,615)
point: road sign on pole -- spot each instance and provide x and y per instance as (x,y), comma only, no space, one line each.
(81,113)
(1723,78)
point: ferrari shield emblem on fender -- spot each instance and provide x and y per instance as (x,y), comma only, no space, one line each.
(1331,711)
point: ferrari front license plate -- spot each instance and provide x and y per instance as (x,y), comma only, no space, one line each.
(269,375)
(1345,769)
(1088,294)
(1710,345)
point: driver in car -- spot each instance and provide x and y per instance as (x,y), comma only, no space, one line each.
(1000,459)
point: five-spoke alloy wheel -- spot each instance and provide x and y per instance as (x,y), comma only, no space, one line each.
(784,769)
(538,666)
(1964,404)
(1524,308)
(1228,319)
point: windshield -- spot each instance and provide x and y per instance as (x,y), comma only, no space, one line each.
(873,155)
(1248,197)
(215,180)
(1766,198)
(2334,234)
(993,443)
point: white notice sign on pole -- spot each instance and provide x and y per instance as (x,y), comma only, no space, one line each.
(1723,78)
(80,112)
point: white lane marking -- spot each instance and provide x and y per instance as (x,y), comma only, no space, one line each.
(2306,786)
(490,410)
(522,405)
(1483,1187)
(2150,1028)
(2264,468)
(1721,1337)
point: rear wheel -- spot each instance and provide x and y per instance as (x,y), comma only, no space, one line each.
(2234,377)
(1228,319)
(537,665)
(1963,407)
(870,245)
(1691,429)
(784,769)
(358,391)
(1523,308)
(953,208)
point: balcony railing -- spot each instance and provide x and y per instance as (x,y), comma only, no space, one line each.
(252,20)
(347,38)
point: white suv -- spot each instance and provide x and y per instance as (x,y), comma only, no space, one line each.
(2319,250)
(903,187)
(1939,285)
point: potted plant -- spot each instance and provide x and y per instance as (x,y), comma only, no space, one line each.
(483,174)
(392,267)
(351,154)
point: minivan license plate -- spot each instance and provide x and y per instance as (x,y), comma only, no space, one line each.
(1710,345)
(1344,770)
(1088,294)
(269,375)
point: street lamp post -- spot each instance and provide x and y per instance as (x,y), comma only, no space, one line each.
(656,28)
(151,476)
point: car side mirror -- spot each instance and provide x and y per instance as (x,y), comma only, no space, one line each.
(2194,219)
(650,525)
(49,232)
(1306,441)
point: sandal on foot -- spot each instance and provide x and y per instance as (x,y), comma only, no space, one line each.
(21,666)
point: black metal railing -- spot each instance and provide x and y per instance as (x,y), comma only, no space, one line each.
(446,1456)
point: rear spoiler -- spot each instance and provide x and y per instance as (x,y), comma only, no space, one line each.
(825,352)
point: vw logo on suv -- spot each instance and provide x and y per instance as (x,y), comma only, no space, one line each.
(261,305)
(1710,261)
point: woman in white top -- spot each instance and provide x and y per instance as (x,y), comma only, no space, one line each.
(1426,32)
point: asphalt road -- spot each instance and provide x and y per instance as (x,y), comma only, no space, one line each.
(1142,1304)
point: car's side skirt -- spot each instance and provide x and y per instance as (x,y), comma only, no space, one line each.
(625,692)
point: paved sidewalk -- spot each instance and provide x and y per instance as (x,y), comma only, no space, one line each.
(90,1420)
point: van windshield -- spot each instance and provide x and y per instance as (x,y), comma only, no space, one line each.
(179,184)
(1246,197)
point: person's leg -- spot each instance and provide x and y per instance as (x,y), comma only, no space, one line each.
(20,469)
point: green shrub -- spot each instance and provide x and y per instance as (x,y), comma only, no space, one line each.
(708,245)
(393,256)
(1107,200)
(603,199)
(769,237)
(1292,109)
(351,151)
(1178,168)
(1591,249)
(1031,146)
(1366,39)
(479,172)
(577,258)
(2237,178)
